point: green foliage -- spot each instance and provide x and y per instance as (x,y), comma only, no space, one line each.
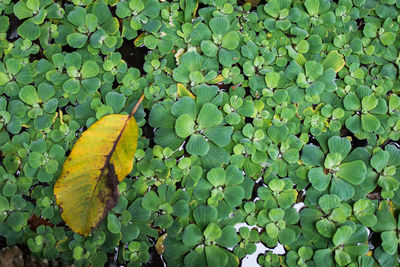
(272,123)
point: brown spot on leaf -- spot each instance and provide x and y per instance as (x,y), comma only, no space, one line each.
(112,184)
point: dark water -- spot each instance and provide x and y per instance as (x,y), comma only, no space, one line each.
(133,56)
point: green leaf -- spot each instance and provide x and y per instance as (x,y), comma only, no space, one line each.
(230,40)
(234,195)
(161,117)
(21,11)
(341,188)
(272,79)
(272,8)
(72,86)
(369,102)
(192,235)
(212,232)
(319,179)
(367,219)
(91,22)
(197,145)
(29,95)
(216,177)
(203,215)
(190,9)
(342,234)
(323,257)
(380,160)
(45,91)
(229,237)
(333,60)
(209,116)
(163,221)
(184,126)
(326,228)
(184,106)
(40,17)
(328,202)
(77,16)
(4,205)
(312,155)
(340,145)
(276,214)
(89,69)
(220,135)
(287,198)
(286,236)
(369,123)
(216,257)
(369,30)
(228,57)
(180,208)
(209,48)
(353,172)
(351,102)
(389,242)
(29,30)
(388,183)
(219,25)
(4,79)
(233,176)
(136,5)
(312,7)
(313,69)
(341,257)
(215,157)
(388,71)
(388,38)
(203,189)
(386,220)
(354,124)
(332,160)
(277,133)
(9,189)
(195,258)
(113,224)
(116,101)
(364,210)
(151,201)
(77,40)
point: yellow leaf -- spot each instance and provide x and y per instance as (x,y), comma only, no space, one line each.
(139,41)
(333,60)
(88,184)
(183,91)
(217,79)
(160,244)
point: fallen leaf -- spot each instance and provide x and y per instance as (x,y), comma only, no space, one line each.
(160,244)
(87,188)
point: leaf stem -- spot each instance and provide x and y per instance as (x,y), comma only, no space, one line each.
(136,106)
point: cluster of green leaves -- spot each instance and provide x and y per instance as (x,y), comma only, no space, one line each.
(281,115)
